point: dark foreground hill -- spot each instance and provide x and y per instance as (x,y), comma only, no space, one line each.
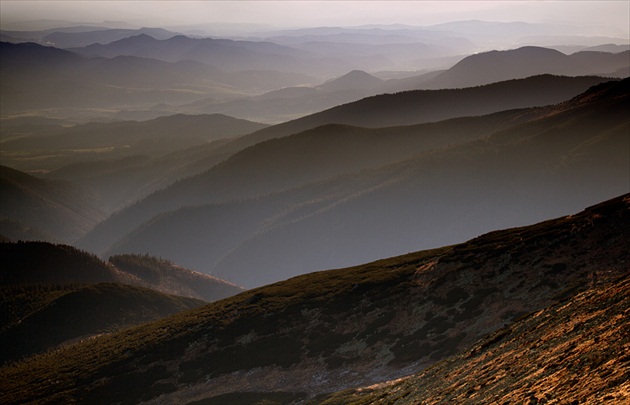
(41,263)
(60,315)
(55,294)
(572,352)
(326,331)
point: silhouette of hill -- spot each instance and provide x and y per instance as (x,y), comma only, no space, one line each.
(70,314)
(55,294)
(416,107)
(225,54)
(493,66)
(356,79)
(60,209)
(566,353)
(40,77)
(366,324)
(62,39)
(41,263)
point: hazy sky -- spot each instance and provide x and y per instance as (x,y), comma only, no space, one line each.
(287,13)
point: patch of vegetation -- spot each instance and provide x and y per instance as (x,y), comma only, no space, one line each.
(253,398)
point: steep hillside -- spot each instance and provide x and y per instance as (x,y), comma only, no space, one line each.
(573,352)
(337,329)
(542,162)
(60,209)
(63,315)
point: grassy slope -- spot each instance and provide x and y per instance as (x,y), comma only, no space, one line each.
(573,352)
(346,326)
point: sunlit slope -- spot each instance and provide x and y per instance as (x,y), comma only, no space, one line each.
(552,159)
(573,351)
(337,329)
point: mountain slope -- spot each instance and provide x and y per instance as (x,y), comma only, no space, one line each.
(329,330)
(537,164)
(572,352)
(75,313)
(55,294)
(41,263)
(420,106)
(397,108)
(60,209)
(284,163)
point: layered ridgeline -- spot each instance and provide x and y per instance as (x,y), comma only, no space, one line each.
(467,176)
(55,294)
(385,110)
(475,70)
(37,77)
(122,161)
(325,331)
(55,210)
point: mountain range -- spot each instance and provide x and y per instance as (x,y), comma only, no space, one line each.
(322,332)
(360,194)
(142,77)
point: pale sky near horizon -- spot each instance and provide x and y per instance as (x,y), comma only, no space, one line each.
(288,13)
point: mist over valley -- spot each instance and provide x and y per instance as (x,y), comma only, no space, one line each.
(248,204)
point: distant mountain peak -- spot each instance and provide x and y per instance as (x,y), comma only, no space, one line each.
(355,79)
